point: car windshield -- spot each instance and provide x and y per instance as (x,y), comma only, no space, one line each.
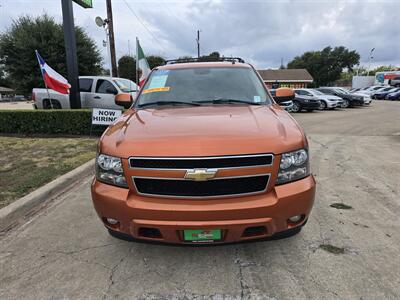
(343,91)
(234,85)
(126,85)
(316,92)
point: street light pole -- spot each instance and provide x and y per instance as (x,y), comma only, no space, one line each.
(71,53)
(114,70)
(369,60)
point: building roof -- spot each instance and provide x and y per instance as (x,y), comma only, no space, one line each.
(286,75)
(5,89)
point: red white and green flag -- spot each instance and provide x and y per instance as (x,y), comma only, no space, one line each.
(142,64)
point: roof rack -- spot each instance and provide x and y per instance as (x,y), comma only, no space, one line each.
(202,59)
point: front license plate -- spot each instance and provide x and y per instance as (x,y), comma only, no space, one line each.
(202,235)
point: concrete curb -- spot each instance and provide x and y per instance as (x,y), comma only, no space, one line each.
(20,207)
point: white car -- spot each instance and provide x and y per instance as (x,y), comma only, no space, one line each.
(366,97)
(327,101)
(370,90)
(96,92)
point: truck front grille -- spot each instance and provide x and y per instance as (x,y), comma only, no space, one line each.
(197,189)
(216,162)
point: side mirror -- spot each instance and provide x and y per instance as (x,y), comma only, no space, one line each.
(125,100)
(284,94)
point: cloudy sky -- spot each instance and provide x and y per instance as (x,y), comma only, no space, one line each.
(261,31)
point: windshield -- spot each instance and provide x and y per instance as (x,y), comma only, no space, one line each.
(340,90)
(195,85)
(126,85)
(316,92)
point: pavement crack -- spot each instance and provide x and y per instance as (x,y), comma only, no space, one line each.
(111,280)
(244,288)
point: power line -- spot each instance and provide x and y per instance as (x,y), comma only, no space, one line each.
(144,25)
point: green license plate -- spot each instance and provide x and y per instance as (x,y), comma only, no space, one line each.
(202,235)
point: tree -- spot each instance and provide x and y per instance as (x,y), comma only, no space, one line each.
(213,56)
(17,45)
(127,67)
(326,65)
(155,61)
(4,81)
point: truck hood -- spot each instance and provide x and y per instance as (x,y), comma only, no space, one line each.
(202,131)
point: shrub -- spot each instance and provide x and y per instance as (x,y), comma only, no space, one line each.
(66,121)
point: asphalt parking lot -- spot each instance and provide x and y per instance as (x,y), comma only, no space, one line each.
(64,252)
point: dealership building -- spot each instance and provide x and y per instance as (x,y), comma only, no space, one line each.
(293,78)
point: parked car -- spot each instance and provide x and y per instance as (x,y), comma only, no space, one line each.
(393,96)
(395,81)
(381,93)
(96,92)
(326,101)
(286,105)
(305,103)
(202,159)
(369,90)
(350,100)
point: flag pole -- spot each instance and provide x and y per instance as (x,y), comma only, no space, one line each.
(45,84)
(137,63)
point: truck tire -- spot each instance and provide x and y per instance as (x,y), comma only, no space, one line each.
(51,104)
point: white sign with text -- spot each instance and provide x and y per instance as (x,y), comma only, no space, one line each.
(103,116)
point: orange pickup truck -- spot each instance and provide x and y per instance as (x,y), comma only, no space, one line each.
(203,155)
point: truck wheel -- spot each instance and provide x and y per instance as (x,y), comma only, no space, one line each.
(322,106)
(296,107)
(53,105)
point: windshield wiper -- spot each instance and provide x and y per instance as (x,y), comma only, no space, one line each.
(160,103)
(226,100)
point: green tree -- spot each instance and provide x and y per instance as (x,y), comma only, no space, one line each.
(17,45)
(4,81)
(155,61)
(326,65)
(127,67)
(213,56)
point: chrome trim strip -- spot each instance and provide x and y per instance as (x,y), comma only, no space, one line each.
(200,158)
(202,197)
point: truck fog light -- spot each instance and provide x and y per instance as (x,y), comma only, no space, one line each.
(295,219)
(111,221)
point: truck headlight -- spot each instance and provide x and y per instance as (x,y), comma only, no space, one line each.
(293,166)
(109,170)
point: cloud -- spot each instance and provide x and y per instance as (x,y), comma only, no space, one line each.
(261,32)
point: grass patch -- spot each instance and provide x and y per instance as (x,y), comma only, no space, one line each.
(28,163)
(340,206)
(332,249)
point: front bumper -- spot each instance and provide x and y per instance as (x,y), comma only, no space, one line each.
(331,104)
(232,215)
(310,105)
(356,102)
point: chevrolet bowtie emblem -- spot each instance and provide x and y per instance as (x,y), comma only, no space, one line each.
(200,174)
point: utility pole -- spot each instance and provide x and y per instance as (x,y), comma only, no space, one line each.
(198,43)
(114,70)
(71,53)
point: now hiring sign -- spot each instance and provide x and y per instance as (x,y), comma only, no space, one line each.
(101,116)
